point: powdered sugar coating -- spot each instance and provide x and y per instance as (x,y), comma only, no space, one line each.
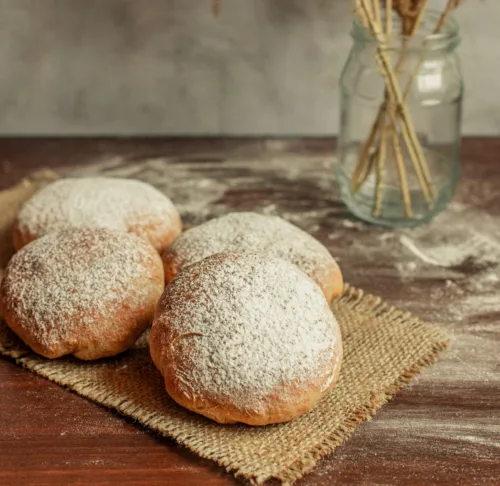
(99,202)
(237,329)
(252,232)
(66,290)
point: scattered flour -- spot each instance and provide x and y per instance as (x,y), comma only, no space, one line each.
(456,250)
(202,189)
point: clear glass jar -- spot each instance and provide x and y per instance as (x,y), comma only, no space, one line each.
(377,184)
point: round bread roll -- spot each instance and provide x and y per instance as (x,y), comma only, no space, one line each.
(245,338)
(269,235)
(99,202)
(86,292)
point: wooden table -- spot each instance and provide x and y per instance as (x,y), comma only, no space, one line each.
(443,429)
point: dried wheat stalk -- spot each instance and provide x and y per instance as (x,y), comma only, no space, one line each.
(395,97)
(394,108)
(401,7)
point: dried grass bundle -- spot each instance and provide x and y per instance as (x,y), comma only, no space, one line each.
(393,124)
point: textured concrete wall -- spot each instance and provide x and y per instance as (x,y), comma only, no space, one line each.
(171,67)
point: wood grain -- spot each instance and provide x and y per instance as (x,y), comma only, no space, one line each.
(443,429)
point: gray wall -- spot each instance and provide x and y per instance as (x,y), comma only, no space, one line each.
(171,67)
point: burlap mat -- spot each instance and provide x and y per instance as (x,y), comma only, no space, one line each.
(384,349)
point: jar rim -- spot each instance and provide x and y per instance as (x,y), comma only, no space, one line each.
(449,33)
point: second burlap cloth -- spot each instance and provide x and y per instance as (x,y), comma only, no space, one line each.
(384,348)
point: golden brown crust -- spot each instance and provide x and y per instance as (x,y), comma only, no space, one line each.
(158,234)
(172,264)
(283,405)
(329,278)
(21,238)
(87,346)
(86,329)
(179,334)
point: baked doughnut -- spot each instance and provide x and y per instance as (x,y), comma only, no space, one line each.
(99,202)
(269,235)
(245,338)
(86,292)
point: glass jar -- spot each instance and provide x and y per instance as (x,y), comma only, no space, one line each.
(387,175)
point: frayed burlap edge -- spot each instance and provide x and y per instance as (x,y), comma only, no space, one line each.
(298,469)
(353,298)
(357,300)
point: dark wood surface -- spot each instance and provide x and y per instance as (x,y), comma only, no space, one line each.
(442,429)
